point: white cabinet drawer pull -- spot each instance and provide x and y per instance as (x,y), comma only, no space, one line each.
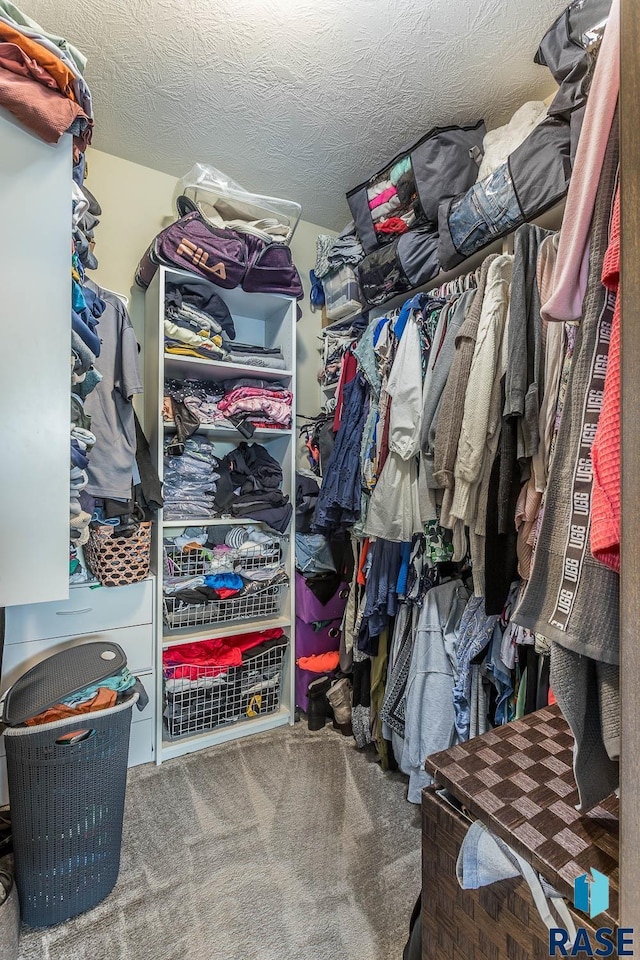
(73,613)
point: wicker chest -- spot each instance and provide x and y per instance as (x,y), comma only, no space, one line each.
(518,781)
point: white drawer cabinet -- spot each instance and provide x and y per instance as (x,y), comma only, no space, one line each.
(88,610)
(137,643)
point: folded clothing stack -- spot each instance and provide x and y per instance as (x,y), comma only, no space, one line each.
(197,323)
(252,400)
(191,333)
(190,481)
(196,299)
(249,485)
(193,337)
(257,356)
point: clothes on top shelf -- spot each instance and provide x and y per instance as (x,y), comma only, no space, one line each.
(197,323)
(41,80)
(332,253)
(196,301)
(257,356)
(498,144)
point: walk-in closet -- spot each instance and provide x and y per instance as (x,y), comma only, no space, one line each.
(318,592)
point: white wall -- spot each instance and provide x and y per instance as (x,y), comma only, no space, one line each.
(136,202)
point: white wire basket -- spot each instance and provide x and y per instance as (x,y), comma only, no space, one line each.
(199,698)
(255,606)
(197,563)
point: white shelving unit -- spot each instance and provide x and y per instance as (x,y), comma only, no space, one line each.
(265,320)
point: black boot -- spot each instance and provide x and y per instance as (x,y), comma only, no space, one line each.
(319,709)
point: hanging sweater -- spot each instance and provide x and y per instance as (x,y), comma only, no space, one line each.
(605,523)
(571,598)
(525,370)
(438,370)
(452,404)
(482,399)
(572,266)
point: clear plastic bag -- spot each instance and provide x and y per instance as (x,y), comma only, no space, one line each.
(224,203)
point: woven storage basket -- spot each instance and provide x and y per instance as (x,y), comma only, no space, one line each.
(67,807)
(498,922)
(117,561)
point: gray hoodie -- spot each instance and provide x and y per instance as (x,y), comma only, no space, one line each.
(430,718)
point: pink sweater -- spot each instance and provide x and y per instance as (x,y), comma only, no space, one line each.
(572,263)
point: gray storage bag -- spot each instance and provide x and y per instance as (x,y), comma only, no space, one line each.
(533,179)
(536,175)
(566,49)
(410,261)
(441,164)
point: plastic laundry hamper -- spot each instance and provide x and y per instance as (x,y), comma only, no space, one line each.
(67,782)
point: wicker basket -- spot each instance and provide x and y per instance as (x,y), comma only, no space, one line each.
(117,561)
(207,697)
(255,606)
(498,922)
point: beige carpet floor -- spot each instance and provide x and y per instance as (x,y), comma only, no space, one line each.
(289,845)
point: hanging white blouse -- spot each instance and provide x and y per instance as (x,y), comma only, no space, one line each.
(394,510)
(405,389)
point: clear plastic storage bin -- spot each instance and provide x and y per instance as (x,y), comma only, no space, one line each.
(341,293)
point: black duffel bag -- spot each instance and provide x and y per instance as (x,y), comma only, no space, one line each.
(410,261)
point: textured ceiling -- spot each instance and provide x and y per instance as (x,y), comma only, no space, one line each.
(297,98)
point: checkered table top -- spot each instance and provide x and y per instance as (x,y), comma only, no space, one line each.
(518,780)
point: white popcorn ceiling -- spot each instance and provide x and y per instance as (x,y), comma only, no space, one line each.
(297,98)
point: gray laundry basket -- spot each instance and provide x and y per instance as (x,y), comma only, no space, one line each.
(67,783)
